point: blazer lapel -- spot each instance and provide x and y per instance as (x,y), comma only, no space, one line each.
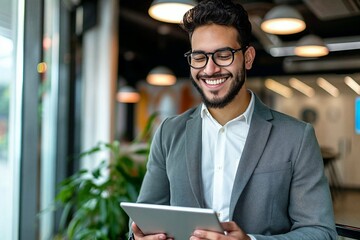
(257,137)
(193,155)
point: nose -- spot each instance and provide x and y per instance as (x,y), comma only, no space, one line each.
(211,67)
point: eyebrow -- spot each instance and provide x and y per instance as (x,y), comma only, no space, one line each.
(219,49)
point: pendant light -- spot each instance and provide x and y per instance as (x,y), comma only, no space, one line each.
(311,46)
(171,11)
(161,76)
(128,94)
(282,20)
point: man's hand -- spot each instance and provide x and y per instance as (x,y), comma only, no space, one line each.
(232,232)
(139,235)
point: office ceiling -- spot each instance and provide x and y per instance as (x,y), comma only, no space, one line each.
(146,43)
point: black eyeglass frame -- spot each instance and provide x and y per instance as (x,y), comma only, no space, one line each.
(233,51)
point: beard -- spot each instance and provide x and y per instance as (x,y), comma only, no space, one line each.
(217,102)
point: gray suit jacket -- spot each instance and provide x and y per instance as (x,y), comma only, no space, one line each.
(280,190)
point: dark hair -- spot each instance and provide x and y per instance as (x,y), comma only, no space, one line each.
(221,12)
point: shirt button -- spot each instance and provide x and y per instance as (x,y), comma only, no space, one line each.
(222,130)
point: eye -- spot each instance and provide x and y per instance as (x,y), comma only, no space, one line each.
(223,55)
(198,57)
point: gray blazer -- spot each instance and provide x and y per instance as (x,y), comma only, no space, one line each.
(280,190)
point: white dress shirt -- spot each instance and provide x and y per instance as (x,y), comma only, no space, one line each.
(222,147)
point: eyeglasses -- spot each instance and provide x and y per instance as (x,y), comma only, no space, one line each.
(222,57)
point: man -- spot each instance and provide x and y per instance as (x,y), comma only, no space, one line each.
(261,170)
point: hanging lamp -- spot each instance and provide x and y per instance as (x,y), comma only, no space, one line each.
(283,20)
(311,46)
(128,94)
(171,11)
(161,76)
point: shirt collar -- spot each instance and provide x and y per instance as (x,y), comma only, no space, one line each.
(247,114)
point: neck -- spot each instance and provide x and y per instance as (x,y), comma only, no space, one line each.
(234,109)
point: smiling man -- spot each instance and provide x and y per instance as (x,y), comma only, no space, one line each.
(259,169)
(218,70)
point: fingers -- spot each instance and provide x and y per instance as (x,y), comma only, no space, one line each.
(136,230)
(202,234)
(139,235)
(232,231)
(230,226)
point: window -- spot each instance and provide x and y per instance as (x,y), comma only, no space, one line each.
(11,30)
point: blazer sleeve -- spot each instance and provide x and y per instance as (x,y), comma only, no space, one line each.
(310,206)
(155,185)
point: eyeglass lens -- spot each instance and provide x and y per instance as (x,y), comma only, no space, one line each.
(221,58)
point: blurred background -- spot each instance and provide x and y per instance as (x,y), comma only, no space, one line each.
(74,73)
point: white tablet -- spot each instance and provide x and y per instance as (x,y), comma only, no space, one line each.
(177,222)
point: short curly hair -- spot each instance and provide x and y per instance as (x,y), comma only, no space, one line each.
(221,12)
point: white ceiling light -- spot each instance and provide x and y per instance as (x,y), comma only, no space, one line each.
(328,87)
(171,11)
(352,84)
(161,76)
(311,46)
(302,87)
(278,88)
(283,20)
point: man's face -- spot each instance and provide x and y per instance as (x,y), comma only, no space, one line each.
(218,86)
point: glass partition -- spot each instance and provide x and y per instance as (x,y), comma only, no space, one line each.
(11,75)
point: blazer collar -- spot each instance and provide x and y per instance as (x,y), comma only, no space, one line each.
(255,144)
(193,154)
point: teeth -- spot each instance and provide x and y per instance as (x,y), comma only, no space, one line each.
(214,81)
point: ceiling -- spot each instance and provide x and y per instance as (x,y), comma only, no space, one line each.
(146,43)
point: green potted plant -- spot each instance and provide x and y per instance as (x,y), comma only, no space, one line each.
(90,199)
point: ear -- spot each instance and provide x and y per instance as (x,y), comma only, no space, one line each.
(249,57)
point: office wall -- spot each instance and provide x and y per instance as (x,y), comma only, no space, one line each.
(334,123)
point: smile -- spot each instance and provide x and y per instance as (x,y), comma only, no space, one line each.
(214,81)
